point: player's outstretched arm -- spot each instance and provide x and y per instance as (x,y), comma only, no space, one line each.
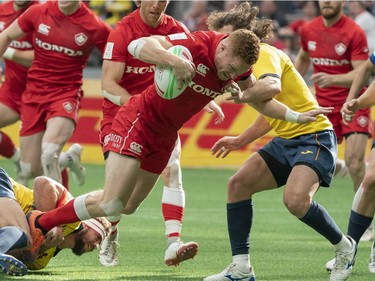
(349,108)
(225,145)
(277,110)
(361,79)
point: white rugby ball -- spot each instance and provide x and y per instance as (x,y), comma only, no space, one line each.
(165,82)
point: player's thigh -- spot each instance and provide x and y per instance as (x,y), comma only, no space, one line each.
(355,146)
(59,130)
(11,214)
(121,177)
(8,116)
(253,176)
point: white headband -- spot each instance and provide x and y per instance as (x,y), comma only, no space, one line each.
(96,226)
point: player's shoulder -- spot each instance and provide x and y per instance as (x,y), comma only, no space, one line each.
(270,53)
(128,25)
(126,31)
(130,19)
(350,24)
(312,25)
(171,22)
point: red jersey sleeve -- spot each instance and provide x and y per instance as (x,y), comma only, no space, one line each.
(360,49)
(102,34)
(27,19)
(115,50)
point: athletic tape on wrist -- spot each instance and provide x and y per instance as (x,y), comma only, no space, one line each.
(135,47)
(291,116)
(9,53)
(114,99)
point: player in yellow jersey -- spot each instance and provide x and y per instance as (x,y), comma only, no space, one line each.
(81,238)
(301,157)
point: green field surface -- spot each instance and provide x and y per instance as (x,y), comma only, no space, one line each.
(282,248)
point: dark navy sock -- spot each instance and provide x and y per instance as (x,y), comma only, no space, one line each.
(12,237)
(357,225)
(240,220)
(318,219)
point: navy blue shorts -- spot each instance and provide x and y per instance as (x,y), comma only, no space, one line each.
(6,188)
(318,151)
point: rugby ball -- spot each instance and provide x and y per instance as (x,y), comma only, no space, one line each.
(165,82)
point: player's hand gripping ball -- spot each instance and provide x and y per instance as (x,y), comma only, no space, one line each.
(165,82)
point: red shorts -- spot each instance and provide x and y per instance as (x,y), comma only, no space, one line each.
(133,135)
(105,127)
(360,124)
(35,114)
(10,99)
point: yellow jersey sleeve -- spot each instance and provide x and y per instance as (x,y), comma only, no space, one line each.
(24,196)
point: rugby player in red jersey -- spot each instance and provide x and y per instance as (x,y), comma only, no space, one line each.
(15,79)
(65,33)
(124,76)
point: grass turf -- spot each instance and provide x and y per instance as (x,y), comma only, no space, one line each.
(282,248)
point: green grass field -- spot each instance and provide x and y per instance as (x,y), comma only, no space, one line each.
(282,248)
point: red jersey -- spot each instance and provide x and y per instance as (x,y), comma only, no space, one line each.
(138,75)
(146,126)
(170,115)
(15,78)
(62,47)
(331,50)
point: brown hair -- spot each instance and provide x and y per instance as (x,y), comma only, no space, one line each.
(245,45)
(241,16)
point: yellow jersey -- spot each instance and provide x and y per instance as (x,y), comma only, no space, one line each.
(294,93)
(25,198)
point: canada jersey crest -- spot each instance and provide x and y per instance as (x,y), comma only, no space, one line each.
(80,38)
(340,49)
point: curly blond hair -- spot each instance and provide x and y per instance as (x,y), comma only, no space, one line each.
(241,16)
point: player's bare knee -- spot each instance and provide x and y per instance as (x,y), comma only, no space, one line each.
(26,173)
(235,185)
(50,152)
(355,164)
(50,160)
(40,182)
(369,181)
(368,190)
(296,206)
